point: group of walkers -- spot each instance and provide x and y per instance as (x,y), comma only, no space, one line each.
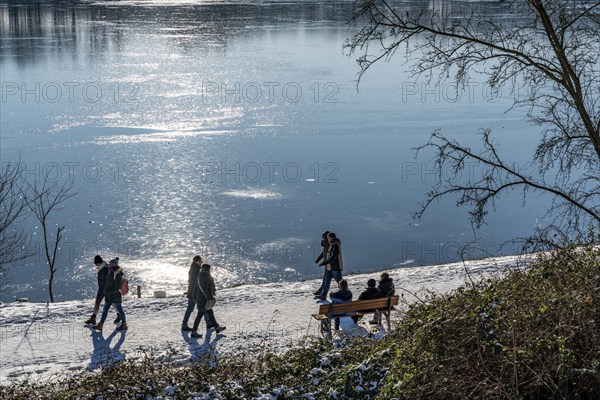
(331,258)
(201,294)
(201,289)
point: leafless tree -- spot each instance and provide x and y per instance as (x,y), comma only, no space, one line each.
(14,242)
(549,50)
(45,198)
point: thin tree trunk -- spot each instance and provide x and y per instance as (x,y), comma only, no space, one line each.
(50,286)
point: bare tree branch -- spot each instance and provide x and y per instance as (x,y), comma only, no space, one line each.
(46,198)
(14,242)
(546,49)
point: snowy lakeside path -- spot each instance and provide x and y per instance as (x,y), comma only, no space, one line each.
(39,341)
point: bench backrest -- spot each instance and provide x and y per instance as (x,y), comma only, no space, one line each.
(359,305)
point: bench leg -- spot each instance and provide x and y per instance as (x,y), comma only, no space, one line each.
(326,329)
(377,318)
(387,318)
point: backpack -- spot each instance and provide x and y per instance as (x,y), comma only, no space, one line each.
(124,286)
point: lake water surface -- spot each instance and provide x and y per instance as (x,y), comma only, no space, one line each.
(235,130)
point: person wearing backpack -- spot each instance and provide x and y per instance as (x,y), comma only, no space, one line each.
(113,294)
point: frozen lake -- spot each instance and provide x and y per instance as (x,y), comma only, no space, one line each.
(234,130)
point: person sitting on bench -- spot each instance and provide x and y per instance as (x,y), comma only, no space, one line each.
(343,295)
(386,285)
(372,292)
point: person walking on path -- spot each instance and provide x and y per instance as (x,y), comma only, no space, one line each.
(102,268)
(324,250)
(333,264)
(206,299)
(192,291)
(112,294)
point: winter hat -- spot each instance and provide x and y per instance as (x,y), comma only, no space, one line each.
(98,260)
(324,235)
(371,283)
(114,262)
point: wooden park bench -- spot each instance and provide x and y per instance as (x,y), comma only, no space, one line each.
(358,308)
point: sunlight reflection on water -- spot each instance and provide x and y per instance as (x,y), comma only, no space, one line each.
(253,194)
(230,129)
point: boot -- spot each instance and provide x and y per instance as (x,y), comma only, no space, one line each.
(118,319)
(91,320)
(98,327)
(185,328)
(122,327)
(220,328)
(196,335)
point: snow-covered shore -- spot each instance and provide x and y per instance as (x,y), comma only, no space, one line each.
(39,340)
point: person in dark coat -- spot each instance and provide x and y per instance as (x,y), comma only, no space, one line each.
(112,294)
(102,268)
(343,295)
(324,250)
(205,300)
(386,285)
(191,291)
(372,292)
(333,264)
